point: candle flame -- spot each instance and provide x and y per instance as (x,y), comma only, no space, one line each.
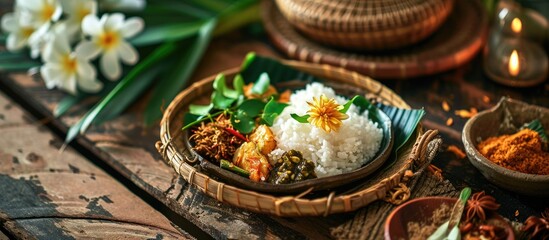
(514,64)
(516,25)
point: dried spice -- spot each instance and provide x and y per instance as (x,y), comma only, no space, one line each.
(479,206)
(521,152)
(213,141)
(537,227)
(445,106)
(466,113)
(449,122)
(457,151)
(424,229)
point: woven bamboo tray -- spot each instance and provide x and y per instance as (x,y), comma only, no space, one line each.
(366,25)
(456,42)
(384,184)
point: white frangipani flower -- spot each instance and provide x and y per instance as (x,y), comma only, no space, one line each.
(108,36)
(67,70)
(18,34)
(40,13)
(76,10)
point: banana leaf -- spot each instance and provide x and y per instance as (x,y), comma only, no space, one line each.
(404,121)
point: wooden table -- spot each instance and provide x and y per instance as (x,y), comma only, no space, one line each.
(121,153)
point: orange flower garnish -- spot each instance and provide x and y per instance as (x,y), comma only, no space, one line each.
(324,114)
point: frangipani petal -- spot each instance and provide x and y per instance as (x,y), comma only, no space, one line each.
(127,53)
(91,25)
(132,27)
(110,66)
(87,50)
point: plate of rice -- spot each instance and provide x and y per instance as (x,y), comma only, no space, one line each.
(322,138)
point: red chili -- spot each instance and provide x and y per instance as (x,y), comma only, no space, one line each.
(236,134)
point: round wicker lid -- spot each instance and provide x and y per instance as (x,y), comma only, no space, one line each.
(371,25)
(380,185)
(457,41)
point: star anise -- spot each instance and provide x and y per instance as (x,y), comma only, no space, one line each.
(479,204)
(538,227)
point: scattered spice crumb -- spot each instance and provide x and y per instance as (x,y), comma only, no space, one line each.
(449,121)
(458,152)
(486,99)
(437,172)
(464,113)
(445,106)
(517,213)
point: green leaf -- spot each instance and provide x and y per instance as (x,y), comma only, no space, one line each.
(404,122)
(535,125)
(82,125)
(238,84)
(125,98)
(219,82)
(239,15)
(362,103)
(221,102)
(168,32)
(301,119)
(262,84)
(190,120)
(242,122)
(167,88)
(272,110)
(200,110)
(252,107)
(19,65)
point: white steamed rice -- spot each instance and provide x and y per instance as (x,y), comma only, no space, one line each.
(355,143)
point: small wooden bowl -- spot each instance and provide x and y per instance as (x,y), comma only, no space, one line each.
(419,209)
(505,118)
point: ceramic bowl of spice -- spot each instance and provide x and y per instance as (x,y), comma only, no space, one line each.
(507,152)
(421,217)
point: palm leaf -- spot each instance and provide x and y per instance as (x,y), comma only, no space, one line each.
(168,87)
(404,121)
(168,32)
(82,125)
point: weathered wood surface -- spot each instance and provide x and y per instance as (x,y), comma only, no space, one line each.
(127,146)
(46,194)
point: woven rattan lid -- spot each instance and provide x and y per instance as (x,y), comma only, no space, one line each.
(456,42)
(372,25)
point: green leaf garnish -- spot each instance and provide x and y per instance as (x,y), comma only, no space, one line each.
(238,84)
(301,119)
(242,122)
(220,101)
(200,109)
(262,84)
(271,111)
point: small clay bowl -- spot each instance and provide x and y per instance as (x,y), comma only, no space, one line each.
(420,209)
(505,118)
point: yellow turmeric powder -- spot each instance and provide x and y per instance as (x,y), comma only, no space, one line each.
(521,152)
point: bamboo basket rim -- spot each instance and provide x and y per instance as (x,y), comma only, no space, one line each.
(297,205)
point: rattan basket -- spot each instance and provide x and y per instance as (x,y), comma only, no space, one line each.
(384,184)
(366,24)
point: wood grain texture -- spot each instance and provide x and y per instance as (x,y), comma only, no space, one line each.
(48,194)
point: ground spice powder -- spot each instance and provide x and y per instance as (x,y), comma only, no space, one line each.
(521,152)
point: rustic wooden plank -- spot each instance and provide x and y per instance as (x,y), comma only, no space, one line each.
(46,193)
(68,228)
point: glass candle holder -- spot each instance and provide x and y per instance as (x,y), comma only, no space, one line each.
(516,62)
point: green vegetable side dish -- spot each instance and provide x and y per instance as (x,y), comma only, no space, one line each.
(292,167)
